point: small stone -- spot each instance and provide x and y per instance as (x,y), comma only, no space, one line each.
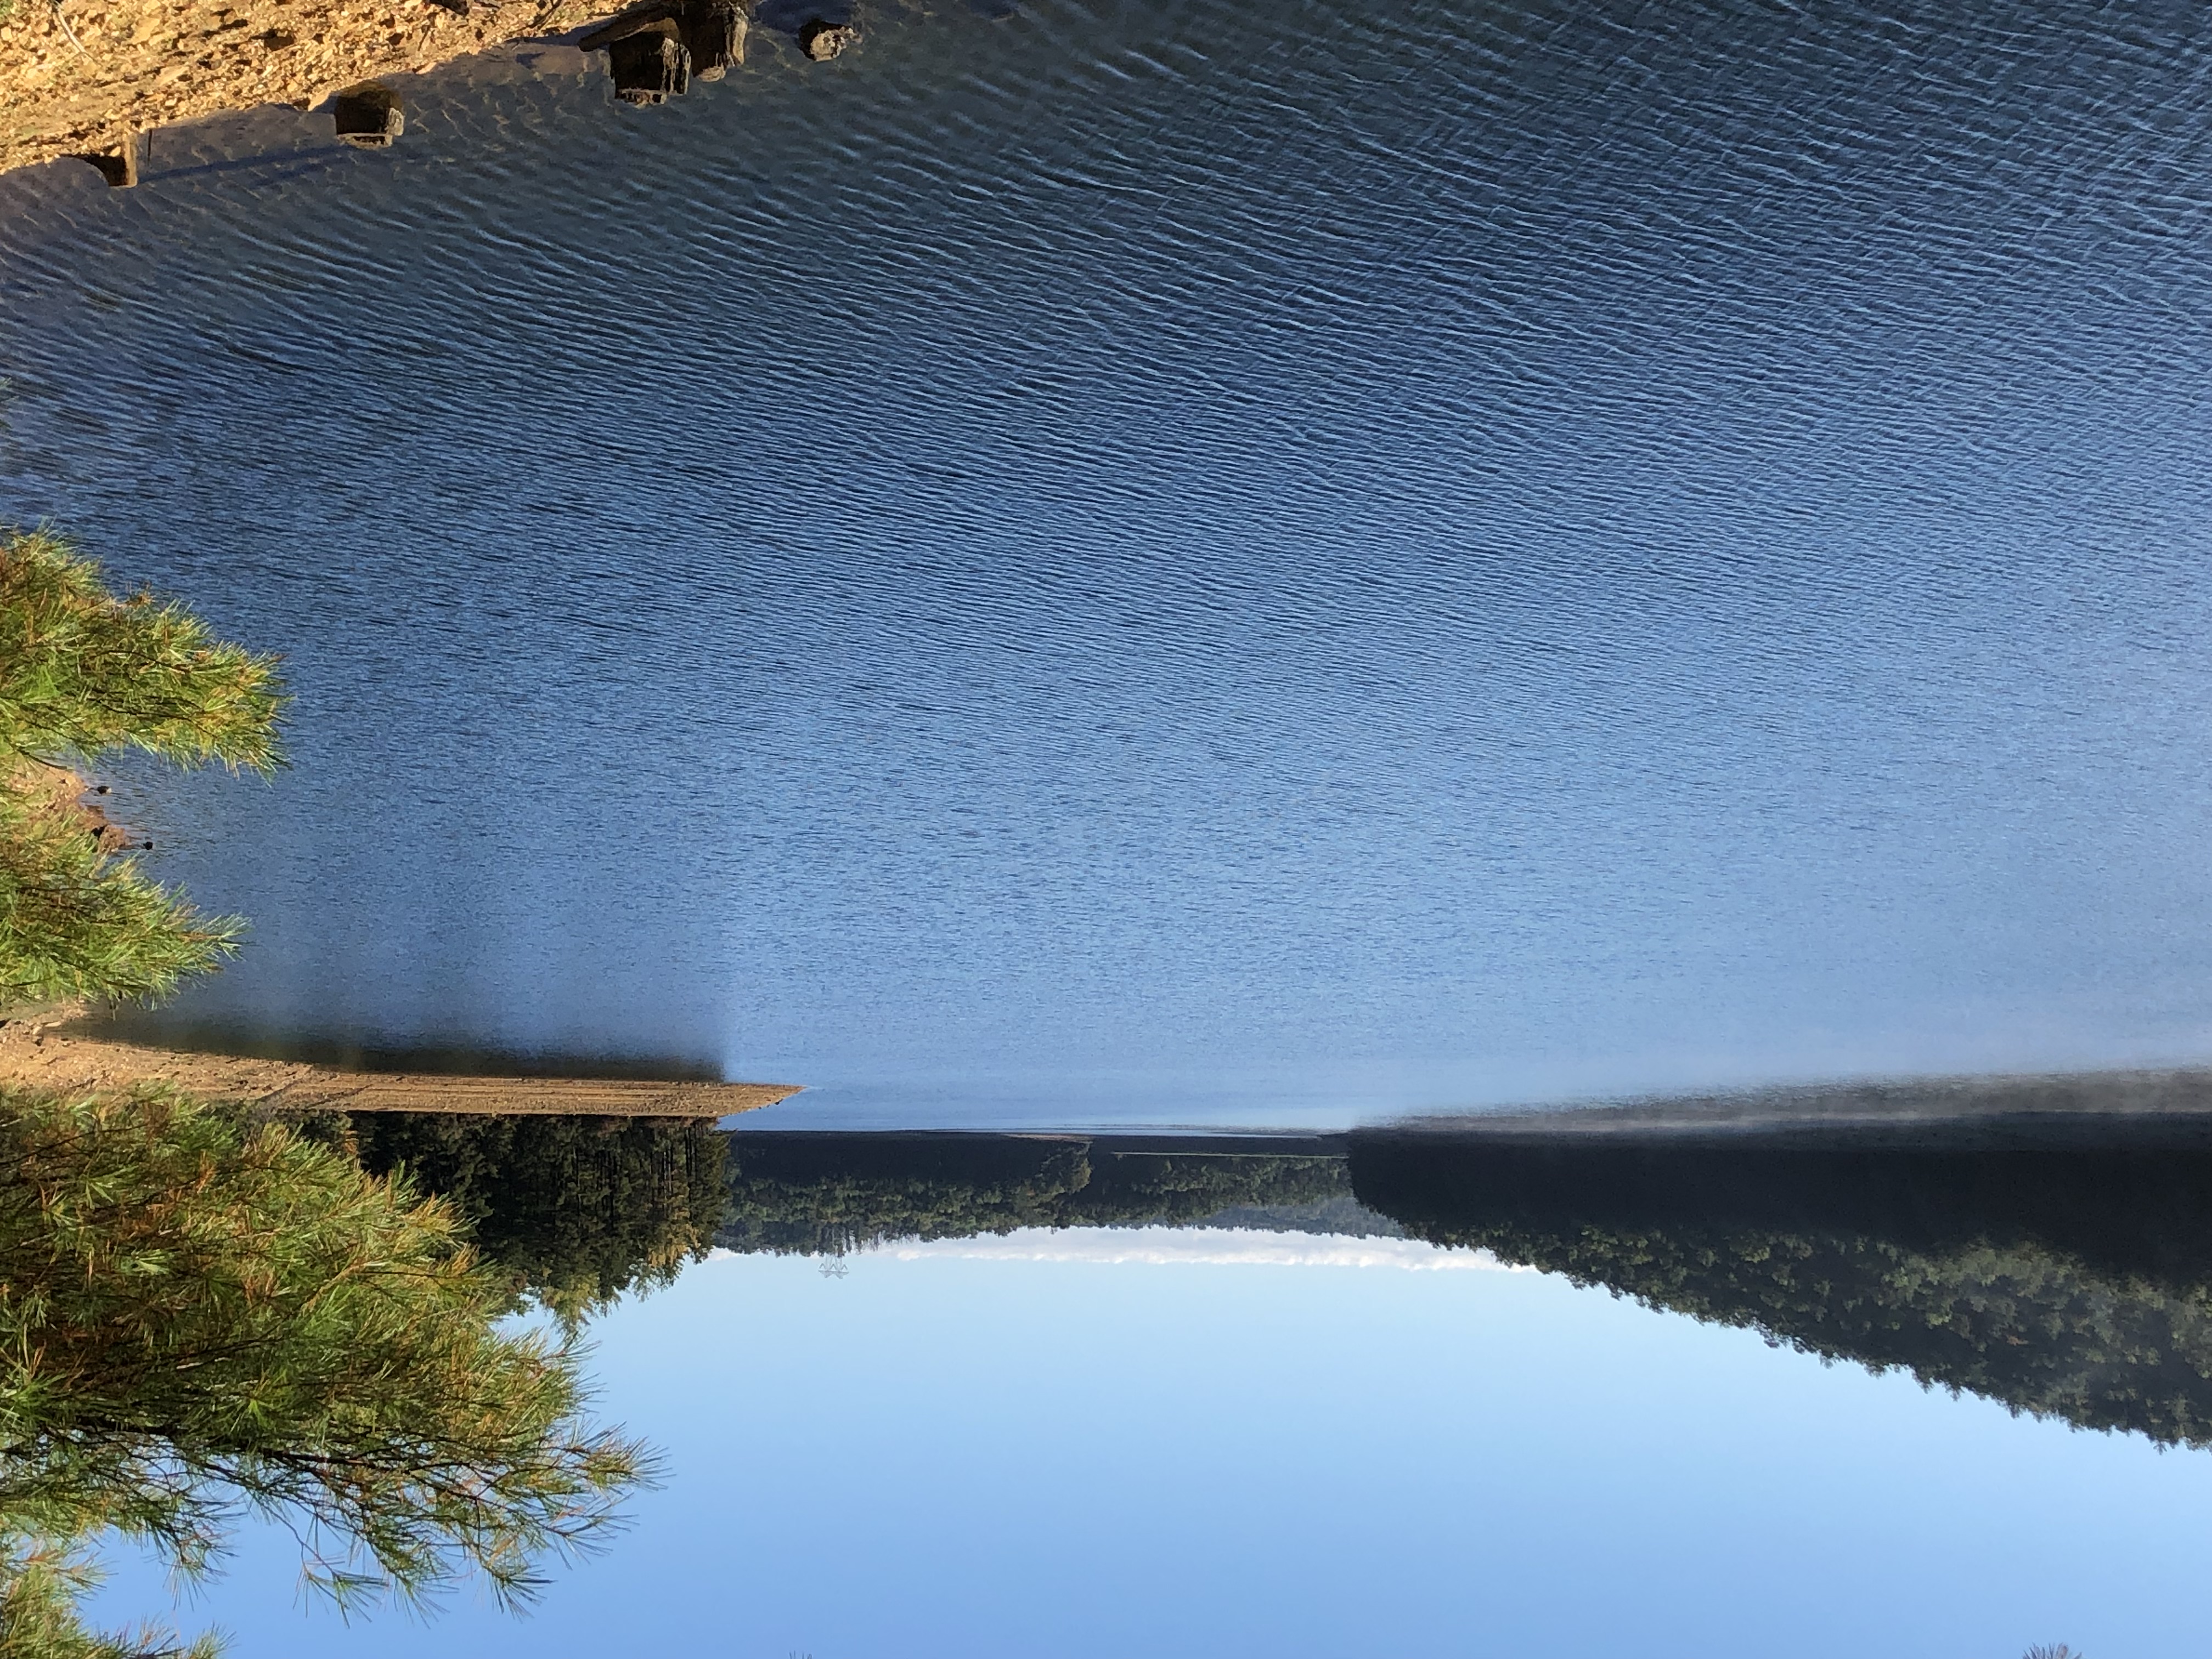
(822,41)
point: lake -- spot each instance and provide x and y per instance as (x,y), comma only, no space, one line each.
(1272,566)
(1200,618)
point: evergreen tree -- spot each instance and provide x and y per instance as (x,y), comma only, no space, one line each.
(201,1316)
(82,673)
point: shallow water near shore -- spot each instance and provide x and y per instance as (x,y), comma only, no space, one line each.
(1207,566)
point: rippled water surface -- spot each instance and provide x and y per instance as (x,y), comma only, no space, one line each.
(1209,564)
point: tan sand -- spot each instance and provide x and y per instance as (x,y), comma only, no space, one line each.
(34,1054)
(80,77)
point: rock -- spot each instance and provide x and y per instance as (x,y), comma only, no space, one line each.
(714,34)
(650,67)
(712,31)
(822,41)
(368,116)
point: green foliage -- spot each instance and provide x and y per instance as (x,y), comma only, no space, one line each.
(807,1194)
(200,1315)
(41,1586)
(575,1210)
(76,922)
(81,671)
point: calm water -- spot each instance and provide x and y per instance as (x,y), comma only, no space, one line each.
(1205,564)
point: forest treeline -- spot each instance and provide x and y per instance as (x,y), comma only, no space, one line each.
(2068,1282)
(574,1209)
(577,1210)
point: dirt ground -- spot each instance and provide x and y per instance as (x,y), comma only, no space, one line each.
(35,1052)
(82,76)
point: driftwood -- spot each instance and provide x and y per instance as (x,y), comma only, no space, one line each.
(651,66)
(369,116)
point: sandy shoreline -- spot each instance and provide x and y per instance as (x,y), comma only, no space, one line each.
(34,1054)
(82,77)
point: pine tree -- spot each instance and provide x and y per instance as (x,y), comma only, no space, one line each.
(83,672)
(201,1315)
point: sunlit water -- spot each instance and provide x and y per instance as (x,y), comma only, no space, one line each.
(1212,563)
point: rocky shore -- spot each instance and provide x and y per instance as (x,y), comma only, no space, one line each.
(84,77)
